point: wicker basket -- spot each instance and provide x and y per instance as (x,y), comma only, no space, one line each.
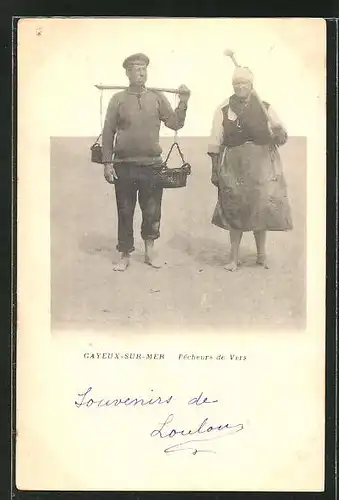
(173,177)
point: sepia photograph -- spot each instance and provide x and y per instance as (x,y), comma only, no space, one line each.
(171,254)
(182,205)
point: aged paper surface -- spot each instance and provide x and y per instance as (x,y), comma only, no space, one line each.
(244,349)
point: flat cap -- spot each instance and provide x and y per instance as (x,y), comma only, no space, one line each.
(135,59)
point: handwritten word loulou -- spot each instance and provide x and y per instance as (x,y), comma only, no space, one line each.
(165,431)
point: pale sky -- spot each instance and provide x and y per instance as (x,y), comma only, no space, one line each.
(287,57)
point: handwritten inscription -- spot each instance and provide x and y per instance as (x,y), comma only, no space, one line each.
(87,401)
(204,431)
(166,431)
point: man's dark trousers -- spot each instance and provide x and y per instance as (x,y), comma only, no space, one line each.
(137,182)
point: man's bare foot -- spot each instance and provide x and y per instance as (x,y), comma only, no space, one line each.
(231,266)
(150,257)
(122,265)
(262,261)
(153,261)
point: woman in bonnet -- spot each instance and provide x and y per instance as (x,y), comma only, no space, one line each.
(246,168)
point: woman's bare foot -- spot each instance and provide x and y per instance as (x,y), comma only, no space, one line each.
(123,264)
(262,261)
(231,266)
(235,239)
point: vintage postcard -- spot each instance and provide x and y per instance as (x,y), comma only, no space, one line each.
(171,254)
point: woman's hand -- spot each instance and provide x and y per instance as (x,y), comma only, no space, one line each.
(110,173)
(215,170)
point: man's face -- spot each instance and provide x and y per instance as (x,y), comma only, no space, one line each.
(242,88)
(137,74)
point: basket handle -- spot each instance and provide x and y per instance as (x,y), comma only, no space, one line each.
(101,117)
(97,139)
(101,121)
(175,144)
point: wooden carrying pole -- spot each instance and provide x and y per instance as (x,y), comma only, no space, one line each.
(124,87)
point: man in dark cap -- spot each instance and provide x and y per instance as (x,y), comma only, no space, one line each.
(131,133)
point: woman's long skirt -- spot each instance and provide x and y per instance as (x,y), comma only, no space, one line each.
(252,192)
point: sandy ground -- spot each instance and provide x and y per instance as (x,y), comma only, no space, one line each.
(192,290)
